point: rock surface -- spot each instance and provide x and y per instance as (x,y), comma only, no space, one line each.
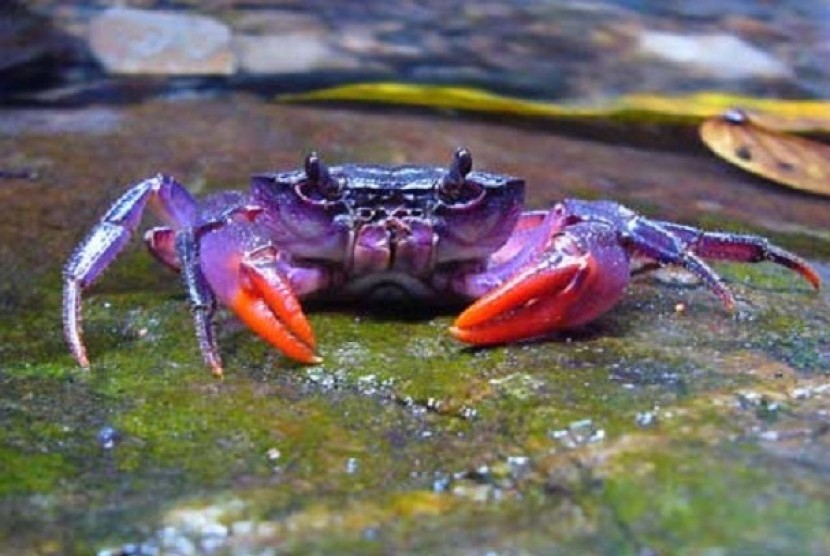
(667,426)
(723,56)
(287,53)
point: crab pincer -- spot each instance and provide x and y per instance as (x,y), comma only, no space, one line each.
(248,280)
(527,305)
(579,275)
(576,266)
(291,331)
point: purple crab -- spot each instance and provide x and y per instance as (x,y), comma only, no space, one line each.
(390,233)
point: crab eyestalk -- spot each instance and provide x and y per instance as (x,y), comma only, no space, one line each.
(461,165)
(320,180)
(453,187)
(315,170)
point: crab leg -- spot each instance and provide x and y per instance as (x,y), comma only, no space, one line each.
(168,199)
(651,239)
(202,300)
(161,242)
(669,243)
(740,248)
(247,278)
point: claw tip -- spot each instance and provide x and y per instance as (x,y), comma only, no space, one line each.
(460,334)
(83,360)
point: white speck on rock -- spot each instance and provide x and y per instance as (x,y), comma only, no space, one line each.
(801,393)
(769,436)
(720,55)
(352,465)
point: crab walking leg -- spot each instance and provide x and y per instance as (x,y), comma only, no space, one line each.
(667,243)
(581,273)
(740,248)
(161,242)
(246,277)
(202,300)
(674,244)
(168,199)
(655,242)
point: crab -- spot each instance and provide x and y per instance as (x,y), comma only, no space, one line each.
(387,234)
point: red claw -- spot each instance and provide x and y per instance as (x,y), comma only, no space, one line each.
(534,301)
(270,308)
(254,312)
(578,276)
(247,279)
(279,297)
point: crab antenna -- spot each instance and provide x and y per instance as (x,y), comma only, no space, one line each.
(461,165)
(315,170)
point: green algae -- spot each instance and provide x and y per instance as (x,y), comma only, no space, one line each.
(25,473)
(679,502)
(392,392)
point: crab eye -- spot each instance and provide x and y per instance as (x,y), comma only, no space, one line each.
(319,184)
(454,188)
(462,162)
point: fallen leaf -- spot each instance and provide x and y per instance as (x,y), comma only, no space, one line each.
(784,115)
(739,138)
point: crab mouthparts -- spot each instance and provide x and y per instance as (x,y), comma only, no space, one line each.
(398,244)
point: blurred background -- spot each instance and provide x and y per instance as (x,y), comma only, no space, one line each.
(580,51)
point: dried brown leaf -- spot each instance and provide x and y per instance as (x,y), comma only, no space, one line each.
(788,159)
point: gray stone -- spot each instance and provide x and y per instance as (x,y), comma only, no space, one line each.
(719,55)
(164,43)
(293,52)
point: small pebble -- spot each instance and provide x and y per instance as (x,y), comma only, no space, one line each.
(108,437)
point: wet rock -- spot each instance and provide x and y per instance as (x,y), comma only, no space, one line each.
(143,42)
(288,53)
(577,51)
(277,22)
(718,55)
(24,38)
(186,530)
(277,42)
(384,41)
(96,121)
(36,54)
